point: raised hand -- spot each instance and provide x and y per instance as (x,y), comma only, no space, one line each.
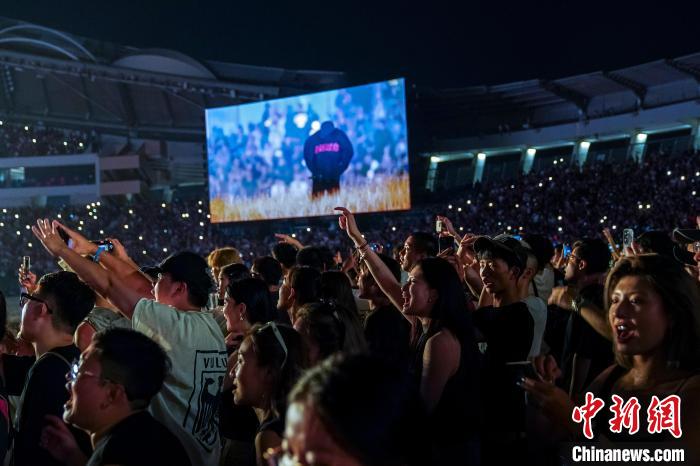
(81,244)
(46,232)
(282,238)
(346,221)
(448,227)
(465,252)
(27,280)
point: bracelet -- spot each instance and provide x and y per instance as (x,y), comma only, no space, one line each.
(362,246)
(100,249)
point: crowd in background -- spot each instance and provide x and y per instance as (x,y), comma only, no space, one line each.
(17,140)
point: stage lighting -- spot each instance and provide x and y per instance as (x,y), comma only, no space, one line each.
(585,144)
(481,156)
(300,119)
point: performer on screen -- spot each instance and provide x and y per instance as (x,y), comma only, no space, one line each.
(327,154)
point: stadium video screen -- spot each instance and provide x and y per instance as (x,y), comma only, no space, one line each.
(302,156)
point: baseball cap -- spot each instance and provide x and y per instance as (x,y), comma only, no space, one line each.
(186,267)
(656,241)
(683,237)
(503,246)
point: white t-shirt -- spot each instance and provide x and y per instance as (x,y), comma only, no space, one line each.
(538,311)
(188,403)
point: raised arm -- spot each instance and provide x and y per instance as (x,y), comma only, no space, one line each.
(381,273)
(99,279)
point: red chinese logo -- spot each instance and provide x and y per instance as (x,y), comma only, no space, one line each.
(665,415)
(587,412)
(662,415)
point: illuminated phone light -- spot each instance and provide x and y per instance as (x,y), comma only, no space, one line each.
(4,211)
(555,162)
(500,223)
(80,144)
(682,178)
(199,211)
(59,215)
(27,227)
(693,193)
(34,140)
(26,128)
(201,237)
(459,209)
(65,143)
(697,173)
(208,216)
(490,204)
(201,224)
(641,206)
(126,227)
(512,186)
(540,185)
(308,229)
(469,201)
(521,228)
(559,217)
(2,224)
(508,228)
(200,203)
(560,229)
(29,245)
(16,215)
(561,159)
(163,205)
(294,235)
(102,232)
(461,228)
(92,204)
(165,249)
(362,236)
(550,178)
(668,173)
(144,252)
(19,232)
(602,221)
(393,228)
(517,206)
(80,228)
(648,206)
(605,217)
(81,222)
(614,227)
(449,206)
(140,238)
(131,212)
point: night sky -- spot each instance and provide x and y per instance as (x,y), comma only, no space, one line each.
(439,45)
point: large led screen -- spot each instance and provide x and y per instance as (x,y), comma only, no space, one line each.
(302,156)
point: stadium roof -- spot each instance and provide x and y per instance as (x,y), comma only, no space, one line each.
(480,110)
(56,77)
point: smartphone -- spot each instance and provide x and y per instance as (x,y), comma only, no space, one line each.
(25,265)
(438,226)
(519,369)
(445,242)
(518,237)
(104,242)
(627,238)
(64,236)
(566,250)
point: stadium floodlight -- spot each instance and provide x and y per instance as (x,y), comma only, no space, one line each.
(481,156)
(434,159)
(585,145)
(641,138)
(531,151)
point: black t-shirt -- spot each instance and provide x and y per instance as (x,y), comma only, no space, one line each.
(44,393)
(388,334)
(509,331)
(139,440)
(582,340)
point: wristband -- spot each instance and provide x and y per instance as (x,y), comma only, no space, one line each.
(362,246)
(100,249)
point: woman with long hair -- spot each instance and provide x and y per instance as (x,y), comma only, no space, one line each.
(654,313)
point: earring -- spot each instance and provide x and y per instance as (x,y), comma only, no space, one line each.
(242,318)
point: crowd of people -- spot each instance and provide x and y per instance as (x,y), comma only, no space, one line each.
(570,203)
(22,140)
(458,349)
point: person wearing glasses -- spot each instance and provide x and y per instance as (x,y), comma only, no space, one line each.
(50,316)
(270,360)
(189,401)
(110,387)
(586,351)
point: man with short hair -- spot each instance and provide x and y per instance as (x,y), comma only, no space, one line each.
(417,246)
(188,403)
(585,351)
(50,316)
(319,258)
(286,254)
(507,327)
(110,388)
(536,305)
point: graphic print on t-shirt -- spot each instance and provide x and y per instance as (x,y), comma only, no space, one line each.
(202,415)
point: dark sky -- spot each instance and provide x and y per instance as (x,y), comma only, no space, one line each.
(441,44)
